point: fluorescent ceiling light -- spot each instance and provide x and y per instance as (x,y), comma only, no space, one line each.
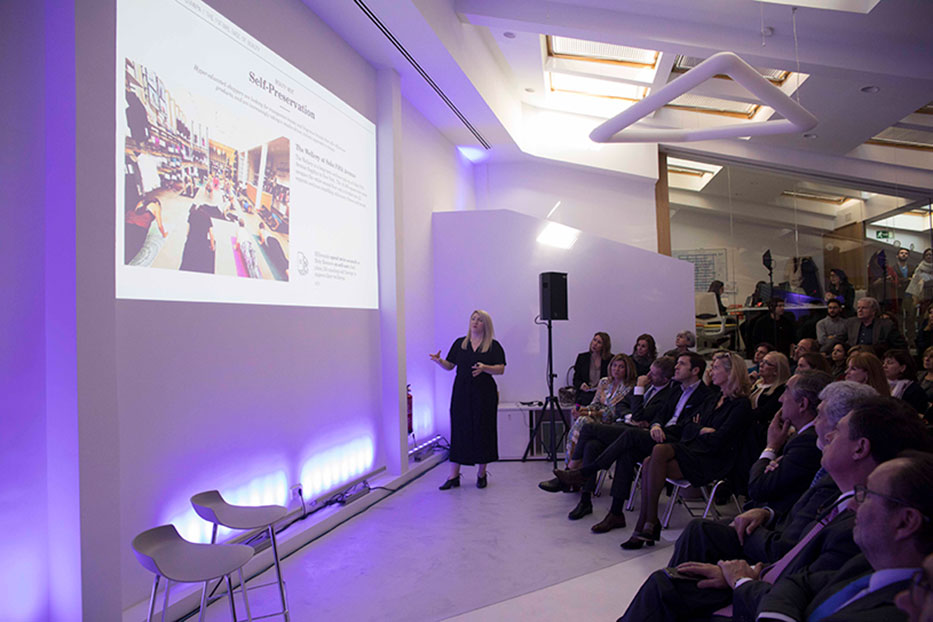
(558,235)
(596,51)
(596,87)
(849,6)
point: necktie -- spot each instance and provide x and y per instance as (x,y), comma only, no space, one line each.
(837,600)
(819,475)
(772,572)
(649,394)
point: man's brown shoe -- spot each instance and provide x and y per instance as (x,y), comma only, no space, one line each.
(612,521)
(569,477)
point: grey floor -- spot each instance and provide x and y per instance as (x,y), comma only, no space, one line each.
(504,553)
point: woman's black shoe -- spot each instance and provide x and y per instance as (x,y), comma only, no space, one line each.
(642,538)
(481,481)
(583,508)
(453,482)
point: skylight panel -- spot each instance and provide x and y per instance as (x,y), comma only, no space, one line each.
(701,103)
(596,87)
(580,49)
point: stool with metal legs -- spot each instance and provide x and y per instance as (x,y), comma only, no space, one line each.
(211,507)
(166,554)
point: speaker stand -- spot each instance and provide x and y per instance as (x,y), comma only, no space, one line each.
(551,406)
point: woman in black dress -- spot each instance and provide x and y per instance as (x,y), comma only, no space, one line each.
(475,398)
(707,448)
(590,367)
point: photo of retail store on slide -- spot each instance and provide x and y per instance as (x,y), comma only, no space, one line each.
(205,191)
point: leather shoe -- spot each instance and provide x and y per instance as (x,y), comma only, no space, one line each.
(612,521)
(569,477)
(453,482)
(481,481)
(583,508)
(551,485)
(643,538)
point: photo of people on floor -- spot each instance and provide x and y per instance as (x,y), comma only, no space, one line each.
(203,192)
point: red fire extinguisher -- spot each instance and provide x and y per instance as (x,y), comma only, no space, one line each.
(411,426)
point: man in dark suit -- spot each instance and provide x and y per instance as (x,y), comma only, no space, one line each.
(634,444)
(637,408)
(893,530)
(880,428)
(869,328)
(779,488)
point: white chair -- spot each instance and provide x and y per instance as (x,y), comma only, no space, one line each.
(165,553)
(710,324)
(211,507)
(709,497)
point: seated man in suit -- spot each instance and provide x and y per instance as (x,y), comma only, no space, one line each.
(893,530)
(634,444)
(779,486)
(875,431)
(869,328)
(638,407)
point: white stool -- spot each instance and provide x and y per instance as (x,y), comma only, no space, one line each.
(163,552)
(211,507)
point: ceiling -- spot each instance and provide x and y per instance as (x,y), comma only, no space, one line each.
(489,59)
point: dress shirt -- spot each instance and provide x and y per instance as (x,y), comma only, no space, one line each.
(650,393)
(865,334)
(687,391)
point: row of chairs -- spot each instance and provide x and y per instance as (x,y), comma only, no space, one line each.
(679,485)
(165,553)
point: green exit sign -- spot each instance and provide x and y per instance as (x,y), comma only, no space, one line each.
(883,235)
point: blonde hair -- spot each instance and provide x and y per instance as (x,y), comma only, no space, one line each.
(738,384)
(782,365)
(488,331)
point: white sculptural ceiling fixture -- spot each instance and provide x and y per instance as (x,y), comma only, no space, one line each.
(796,117)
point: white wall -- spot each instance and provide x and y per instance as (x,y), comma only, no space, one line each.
(610,206)
(435,178)
(747,241)
(490,259)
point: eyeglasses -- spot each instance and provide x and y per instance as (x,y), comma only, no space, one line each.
(861,492)
(919,586)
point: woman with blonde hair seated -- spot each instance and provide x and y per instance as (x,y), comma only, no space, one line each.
(865,368)
(707,449)
(773,373)
(609,392)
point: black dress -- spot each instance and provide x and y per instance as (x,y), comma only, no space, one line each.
(703,458)
(473,405)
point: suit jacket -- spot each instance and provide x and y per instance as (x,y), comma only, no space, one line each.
(799,595)
(770,544)
(781,488)
(647,412)
(885,335)
(832,547)
(700,395)
(581,369)
(916,397)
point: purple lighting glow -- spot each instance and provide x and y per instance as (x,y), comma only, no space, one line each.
(328,469)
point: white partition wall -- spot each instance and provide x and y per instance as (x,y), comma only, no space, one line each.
(490,259)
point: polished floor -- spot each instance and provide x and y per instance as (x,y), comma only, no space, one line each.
(504,553)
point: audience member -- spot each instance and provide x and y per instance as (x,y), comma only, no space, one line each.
(644,353)
(901,373)
(812,360)
(917,600)
(925,377)
(775,327)
(869,328)
(707,447)
(906,310)
(774,370)
(760,350)
(865,368)
(590,367)
(837,360)
(609,392)
(925,333)
(687,396)
(840,289)
(718,287)
(833,325)
(684,340)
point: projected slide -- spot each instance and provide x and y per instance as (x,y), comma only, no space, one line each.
(239,178)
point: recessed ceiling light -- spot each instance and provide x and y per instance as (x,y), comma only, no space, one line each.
(870,89)
(810,135)
(508,35)
(767,31)
(529,90)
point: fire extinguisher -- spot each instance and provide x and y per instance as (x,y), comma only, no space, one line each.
(411,427)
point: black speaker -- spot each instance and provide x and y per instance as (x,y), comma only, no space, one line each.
(553,286)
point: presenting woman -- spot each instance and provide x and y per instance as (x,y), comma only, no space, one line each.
(474,400)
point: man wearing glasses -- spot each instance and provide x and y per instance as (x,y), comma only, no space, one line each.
(894,532)
(917,600)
